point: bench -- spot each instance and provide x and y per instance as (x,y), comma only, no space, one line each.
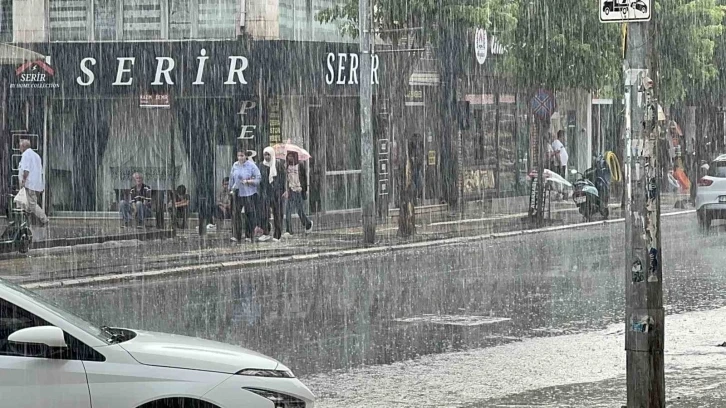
(159,198)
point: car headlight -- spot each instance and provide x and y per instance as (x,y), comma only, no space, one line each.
(256,372)
(279,400)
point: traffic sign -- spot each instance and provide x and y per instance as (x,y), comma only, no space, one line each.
(543,104)
(618,11)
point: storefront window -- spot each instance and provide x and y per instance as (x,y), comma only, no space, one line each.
(95,152)
(105,12)
(142,19)
(68,20)
(180,18)
(217,18)
(342,155)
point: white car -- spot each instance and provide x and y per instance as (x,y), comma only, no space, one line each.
(50,358)
(711,193)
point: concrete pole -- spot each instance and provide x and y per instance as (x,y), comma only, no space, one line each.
(644,324)
(368,176)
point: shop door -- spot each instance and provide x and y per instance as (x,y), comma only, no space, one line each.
(336,164)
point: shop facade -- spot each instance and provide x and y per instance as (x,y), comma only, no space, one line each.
(176,112)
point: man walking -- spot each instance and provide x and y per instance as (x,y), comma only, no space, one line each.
(297,189)
(30,174)
(561,158)
(245,177)
(560,154)
(272,187)
(138,202)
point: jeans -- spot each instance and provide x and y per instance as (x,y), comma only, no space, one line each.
(250,205)
(142,211)
(295,202)
(274,203)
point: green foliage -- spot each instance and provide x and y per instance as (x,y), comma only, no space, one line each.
(421,20)
(562,44)
(687,35)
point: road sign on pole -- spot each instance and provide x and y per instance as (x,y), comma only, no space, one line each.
(543,104)
(619,11)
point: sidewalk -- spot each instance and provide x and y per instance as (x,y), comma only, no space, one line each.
(432,222)
(578,370)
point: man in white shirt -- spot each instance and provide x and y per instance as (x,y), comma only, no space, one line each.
(561,159)
(560,153)
(30,174)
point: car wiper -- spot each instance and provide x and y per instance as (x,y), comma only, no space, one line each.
(114,337)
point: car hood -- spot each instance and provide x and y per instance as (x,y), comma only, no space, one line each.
(168,350)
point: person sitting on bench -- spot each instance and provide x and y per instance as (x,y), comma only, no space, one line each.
(137,203)
(181,206)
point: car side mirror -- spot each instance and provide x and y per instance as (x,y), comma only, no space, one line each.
(49,336)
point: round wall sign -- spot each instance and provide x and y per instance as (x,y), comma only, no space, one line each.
(481,46)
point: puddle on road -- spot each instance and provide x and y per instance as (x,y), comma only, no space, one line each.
(453,320)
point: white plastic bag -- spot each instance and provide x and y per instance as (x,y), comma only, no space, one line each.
(21,199)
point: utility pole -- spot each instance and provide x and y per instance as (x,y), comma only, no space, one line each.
(367,178)
(644,324)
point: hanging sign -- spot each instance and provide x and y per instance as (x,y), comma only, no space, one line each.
(154,101)
(618,11)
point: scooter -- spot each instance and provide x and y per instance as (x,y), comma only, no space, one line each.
(591,190)
(17,235)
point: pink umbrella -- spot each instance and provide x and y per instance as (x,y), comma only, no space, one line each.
(282,149)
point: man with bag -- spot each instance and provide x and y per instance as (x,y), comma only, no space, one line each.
(30,174)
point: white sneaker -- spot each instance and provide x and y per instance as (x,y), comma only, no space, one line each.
(286,235)
(275,240)
(264,238)
(310,228)
(248,239)
(233,239)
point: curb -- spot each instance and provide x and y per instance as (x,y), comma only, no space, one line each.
(226,266)
(100,239)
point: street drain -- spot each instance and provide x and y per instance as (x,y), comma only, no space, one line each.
(453,320)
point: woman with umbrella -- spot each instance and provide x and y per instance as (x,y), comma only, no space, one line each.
(296,186)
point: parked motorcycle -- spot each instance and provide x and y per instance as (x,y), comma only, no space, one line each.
(591,191)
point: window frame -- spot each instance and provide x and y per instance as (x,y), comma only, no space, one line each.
(165,29)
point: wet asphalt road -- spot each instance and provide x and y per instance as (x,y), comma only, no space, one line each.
(344,313)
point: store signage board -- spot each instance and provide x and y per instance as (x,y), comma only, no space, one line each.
(154,101)
(624,11)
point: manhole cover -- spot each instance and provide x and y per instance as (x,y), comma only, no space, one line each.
(453,320)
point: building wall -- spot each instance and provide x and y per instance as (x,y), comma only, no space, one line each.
(29,22)
(119,20)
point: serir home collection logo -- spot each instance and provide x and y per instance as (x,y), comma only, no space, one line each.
(35,74)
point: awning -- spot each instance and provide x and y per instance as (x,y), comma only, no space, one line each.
(12,55)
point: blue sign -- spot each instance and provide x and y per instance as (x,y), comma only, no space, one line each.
(543,104)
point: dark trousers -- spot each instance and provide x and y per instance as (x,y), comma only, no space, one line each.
(295,203)
(250,206)
(275,204)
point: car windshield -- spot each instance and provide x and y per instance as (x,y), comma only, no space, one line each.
(717,169)
(89,328)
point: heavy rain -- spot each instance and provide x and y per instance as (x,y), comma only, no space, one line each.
(362,203)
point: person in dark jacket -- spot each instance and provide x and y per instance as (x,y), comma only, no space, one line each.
(296,192)
(272,188)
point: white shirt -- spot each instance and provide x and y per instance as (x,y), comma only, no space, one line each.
(557,145)
(564,157)
(31,162)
